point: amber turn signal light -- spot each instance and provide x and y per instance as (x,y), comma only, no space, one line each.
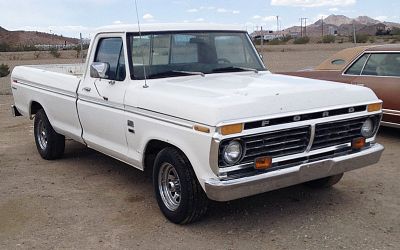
(201,129)
(358,143)
(263,163)
(374,107)
(231,129)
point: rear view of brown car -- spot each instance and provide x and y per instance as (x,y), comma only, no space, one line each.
(375,67)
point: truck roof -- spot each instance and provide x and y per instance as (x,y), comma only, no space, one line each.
(154,27)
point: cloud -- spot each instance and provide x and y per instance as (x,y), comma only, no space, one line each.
(199,20)
(312,3)
(222,10)
(192,10)
(235,12)
(334,9)
(148,17)
(265,18)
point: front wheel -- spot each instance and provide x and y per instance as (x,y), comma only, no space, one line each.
(325,182)
(179,194)
(49,143)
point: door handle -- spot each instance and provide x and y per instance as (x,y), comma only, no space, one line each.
(87,89)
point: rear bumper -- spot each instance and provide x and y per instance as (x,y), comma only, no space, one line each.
(14,111)
(233,189)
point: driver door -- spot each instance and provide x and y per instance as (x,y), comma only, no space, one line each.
(101,101)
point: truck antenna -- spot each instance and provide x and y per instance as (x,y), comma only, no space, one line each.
(140,41)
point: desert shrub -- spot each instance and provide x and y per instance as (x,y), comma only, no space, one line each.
(276,41)
(372,39)
(360,38)
(4,70)
(4,47)
(286,38)
(328,39)
(77,48)
(36,54)
(395,31)
(301,40)
(54,52)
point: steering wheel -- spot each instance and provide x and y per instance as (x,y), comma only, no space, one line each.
(223,60)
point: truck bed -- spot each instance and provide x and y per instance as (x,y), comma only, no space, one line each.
(55,88)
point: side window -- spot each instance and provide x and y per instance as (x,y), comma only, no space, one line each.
(110,50)
(383,65)
(356,68)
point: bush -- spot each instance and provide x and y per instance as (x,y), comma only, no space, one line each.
(77,48)
(360,38)
(302,40)
(54,52)
(4,47)
(276,41)
(4,70)
(287,38)
(328,39)
(372,39)
(395,31)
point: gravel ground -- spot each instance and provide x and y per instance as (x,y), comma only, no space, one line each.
(90,201)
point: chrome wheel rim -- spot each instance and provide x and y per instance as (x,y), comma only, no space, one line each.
(169,186)
(42,135)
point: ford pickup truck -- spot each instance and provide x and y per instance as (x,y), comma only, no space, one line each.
(195,106)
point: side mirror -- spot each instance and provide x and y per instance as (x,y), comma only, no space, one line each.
(99,70)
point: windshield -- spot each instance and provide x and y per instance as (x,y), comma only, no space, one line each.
(191,53)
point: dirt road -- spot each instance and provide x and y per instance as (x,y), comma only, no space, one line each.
(88,200)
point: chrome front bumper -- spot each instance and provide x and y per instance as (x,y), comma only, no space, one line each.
(234,189)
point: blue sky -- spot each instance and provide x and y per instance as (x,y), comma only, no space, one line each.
(69,17)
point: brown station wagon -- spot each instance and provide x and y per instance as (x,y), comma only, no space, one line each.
(376,67)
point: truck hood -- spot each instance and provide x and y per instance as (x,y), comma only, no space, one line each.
(218,98)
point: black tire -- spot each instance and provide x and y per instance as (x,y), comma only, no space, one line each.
(51,145)
(325,182)
(192,199)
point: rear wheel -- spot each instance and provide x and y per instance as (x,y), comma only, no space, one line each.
(325,182)
(49,143)
(179,195)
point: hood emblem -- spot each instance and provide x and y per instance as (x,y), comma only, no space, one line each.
(325,114)
(265,123)
(296,118)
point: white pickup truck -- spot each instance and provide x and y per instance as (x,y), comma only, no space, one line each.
(196,106)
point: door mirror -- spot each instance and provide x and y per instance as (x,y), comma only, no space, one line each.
(99,70)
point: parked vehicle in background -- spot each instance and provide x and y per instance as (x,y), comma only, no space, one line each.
(195,105)
(375,67)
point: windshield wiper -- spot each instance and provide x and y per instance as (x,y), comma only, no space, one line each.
(170,73)
(233,68)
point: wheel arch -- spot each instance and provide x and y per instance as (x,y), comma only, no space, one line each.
(34,107)
(152,148)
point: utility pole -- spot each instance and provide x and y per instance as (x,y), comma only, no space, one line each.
(305,26)
(262,40)
(277,24)
(322,19)
(301,27)
(354,33)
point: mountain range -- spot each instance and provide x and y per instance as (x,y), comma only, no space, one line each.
(26,38)
(343,25)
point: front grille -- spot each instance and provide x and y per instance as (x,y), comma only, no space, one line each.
(274,144)
(337,132)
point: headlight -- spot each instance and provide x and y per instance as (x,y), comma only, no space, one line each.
(232,152)
(368,128)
